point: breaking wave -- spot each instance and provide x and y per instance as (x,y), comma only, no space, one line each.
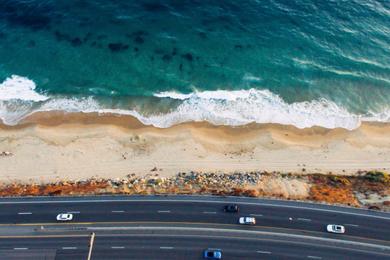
(20,88)
(19,99)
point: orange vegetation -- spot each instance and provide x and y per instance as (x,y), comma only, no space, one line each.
(63,188)
(328,194)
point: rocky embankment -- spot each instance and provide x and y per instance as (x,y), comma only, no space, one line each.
(364,189)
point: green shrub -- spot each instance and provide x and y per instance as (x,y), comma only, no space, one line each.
(377,176)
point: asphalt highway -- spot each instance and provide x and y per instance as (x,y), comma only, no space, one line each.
(163,246)
(299,219)
(199,210)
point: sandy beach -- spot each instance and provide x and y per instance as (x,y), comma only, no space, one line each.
(49,147)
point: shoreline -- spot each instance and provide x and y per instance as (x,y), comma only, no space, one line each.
(53,146)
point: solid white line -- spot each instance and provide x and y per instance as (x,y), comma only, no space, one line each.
(166,247)
(304,219)
(264,252)
(69,247)
(117,211)
(209,212)
(74,212)
(200,201)
(164,211)
(256,215)
(24,213)
(314,257)
(117,247)
(352,225)
(20,248)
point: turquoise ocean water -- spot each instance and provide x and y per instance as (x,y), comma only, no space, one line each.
(230,62)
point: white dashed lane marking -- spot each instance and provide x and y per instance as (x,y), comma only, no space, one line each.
(351,225)
(166,247)
(304,219)
(256,215)
(264,252)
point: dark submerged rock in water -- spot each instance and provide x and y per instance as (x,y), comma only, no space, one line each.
(87,37)
(188,56)
(76,42)
(19,13)
(117,47)
(166,58)
(202,35)
(34,22)
(139,40)
(61,36)
(154,7)
(140,33)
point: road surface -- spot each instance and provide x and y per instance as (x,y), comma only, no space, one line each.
(284,229)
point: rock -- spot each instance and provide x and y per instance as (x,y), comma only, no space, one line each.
(139,40)
(167,57)
(6,153)
(154,169)
(374,207)
(76,42)
(117,47)
(386,203)
(188,56)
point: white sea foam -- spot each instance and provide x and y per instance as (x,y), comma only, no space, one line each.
(230,95)
(383,116)
(250,78)
(220,107)
(20,88)
(241,107)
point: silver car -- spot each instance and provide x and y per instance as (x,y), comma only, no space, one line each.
(64,217)
(333,228)
(247,221)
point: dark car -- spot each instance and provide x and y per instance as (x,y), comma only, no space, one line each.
(212,253)
(231,208)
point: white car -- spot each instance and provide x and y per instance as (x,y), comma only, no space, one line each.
(332,228)
(64,217)
(247,221)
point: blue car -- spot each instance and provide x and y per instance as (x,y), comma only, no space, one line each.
(212,254)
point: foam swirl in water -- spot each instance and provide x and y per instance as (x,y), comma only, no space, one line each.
(20,88)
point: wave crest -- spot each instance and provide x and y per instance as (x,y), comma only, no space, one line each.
(21,88)
(219,107)
(239,107)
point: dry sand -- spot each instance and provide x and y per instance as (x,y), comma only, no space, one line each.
(53,146)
